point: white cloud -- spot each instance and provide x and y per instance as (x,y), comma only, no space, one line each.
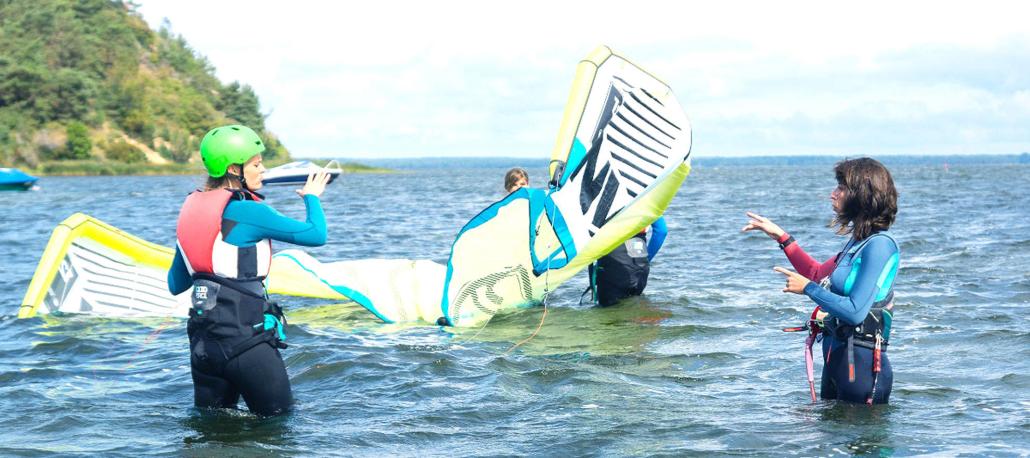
(463,77)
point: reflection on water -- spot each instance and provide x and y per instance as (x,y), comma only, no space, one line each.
(219,427)
(628,328)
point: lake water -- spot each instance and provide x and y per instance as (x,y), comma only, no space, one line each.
(696,366)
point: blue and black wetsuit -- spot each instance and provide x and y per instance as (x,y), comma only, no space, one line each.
(235,338)
(858,298)
(623,272)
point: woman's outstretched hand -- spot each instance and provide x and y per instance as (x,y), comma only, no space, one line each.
(795,282)
(316,183)
(763,224)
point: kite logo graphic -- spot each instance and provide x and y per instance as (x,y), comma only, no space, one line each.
(604,184)
(486,292)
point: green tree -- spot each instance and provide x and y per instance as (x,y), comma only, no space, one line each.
(190,66)
(273,148)
(78,145)
(18,85)
(240,103)
(93,61)
(68,95)
(124,152)
(181,149)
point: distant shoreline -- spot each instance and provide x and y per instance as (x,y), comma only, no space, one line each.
(401,165)
(698,160)
(110,168)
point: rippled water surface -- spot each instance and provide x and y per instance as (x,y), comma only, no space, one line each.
(696,366)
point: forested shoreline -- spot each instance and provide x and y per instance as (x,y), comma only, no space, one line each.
(87,86)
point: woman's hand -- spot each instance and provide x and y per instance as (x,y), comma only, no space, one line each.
(763,224)
(795,282)
(315,184)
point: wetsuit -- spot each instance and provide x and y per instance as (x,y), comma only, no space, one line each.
(860,292)
(235,333)
(623,272)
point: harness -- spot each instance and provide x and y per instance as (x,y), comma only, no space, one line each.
(230,304)
(235,314)
(872,333)
(814,328)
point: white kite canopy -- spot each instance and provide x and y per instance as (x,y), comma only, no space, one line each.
(622,153)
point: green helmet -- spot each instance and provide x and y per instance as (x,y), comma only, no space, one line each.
(227,145)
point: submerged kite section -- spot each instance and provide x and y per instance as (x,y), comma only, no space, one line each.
(91,267)
(394,290)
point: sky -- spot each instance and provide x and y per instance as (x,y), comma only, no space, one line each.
(479,78)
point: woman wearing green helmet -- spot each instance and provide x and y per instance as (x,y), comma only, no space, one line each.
(223,252)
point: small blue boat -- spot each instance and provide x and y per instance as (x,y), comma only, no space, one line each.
(15,179)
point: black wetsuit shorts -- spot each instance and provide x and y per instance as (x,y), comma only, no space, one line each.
(258,374)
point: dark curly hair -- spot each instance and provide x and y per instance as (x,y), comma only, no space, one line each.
(870,201)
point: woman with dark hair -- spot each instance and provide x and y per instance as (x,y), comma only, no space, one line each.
(854,290)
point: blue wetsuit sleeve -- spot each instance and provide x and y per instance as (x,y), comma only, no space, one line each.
(658,232)
(877,256)
(179,279)
(257,221)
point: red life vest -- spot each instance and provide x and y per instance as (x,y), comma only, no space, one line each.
(201,241)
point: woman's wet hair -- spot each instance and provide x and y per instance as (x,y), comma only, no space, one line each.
(221,182)
(870,201)
(215,183)
(513,176)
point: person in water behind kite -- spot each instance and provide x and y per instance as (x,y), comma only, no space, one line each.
(623,272)
(223,252)
(854,290)
(516,178)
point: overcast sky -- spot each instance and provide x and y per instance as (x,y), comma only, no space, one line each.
(481,78)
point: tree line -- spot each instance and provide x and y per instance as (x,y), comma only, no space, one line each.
(82,78)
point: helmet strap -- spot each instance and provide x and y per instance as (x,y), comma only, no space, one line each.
(243,182)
